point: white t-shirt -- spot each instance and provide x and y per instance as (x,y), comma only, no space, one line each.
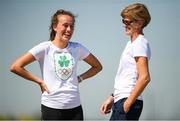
(58,68)
(126,76)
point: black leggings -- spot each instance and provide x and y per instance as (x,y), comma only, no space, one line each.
(62,114)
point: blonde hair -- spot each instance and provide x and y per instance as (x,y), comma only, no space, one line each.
(137,11)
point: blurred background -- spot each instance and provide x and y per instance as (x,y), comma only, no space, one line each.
(25,23)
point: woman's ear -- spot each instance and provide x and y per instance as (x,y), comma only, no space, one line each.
(55,28)
(140,23)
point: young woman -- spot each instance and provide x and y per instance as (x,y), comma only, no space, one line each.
(133,74)
(58,60)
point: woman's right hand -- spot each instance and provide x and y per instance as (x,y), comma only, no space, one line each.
(43,87)
(107,105)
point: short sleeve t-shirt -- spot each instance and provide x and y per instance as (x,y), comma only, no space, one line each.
(58,68)
(126,76)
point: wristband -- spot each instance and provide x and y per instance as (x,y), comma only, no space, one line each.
(80,79)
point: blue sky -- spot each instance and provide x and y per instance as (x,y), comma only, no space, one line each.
(24,24)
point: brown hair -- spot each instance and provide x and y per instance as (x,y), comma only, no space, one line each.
(54,21)
(137,11)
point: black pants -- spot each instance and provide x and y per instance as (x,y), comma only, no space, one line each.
(62,114)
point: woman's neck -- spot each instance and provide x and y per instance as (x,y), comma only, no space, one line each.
(59,43)
(135,35)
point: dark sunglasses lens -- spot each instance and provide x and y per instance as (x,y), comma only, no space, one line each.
(126,22)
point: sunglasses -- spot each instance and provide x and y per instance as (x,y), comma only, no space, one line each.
(127,21)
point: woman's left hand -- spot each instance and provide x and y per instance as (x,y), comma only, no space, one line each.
(126,106)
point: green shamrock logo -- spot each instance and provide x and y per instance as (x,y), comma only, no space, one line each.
(63,61)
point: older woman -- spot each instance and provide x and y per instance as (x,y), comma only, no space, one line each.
(133,74)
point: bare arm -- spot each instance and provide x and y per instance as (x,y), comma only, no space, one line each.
(18,68)
(95,67)
(107,105)
(141,83)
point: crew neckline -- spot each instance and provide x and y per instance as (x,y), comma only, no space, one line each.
(60,48)
(139,36)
